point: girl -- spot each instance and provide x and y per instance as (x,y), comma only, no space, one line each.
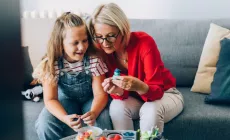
(146,90)
(71,77)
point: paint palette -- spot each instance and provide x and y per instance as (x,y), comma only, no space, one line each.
(123,134)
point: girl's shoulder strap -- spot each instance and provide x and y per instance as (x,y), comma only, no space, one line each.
(60,63)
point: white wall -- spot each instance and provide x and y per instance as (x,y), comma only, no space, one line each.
(170,9)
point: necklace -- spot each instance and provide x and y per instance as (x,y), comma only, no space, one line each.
(125,61)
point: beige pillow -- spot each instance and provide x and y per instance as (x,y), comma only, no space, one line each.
(209,58)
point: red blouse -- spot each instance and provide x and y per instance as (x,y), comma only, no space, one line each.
(144,62)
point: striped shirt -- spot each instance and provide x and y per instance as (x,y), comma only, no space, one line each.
(97,67)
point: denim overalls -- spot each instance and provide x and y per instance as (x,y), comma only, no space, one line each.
(76,95)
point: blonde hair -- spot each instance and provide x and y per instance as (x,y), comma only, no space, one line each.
(45,70)
(111,14)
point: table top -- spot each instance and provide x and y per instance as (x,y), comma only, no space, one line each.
(72,137)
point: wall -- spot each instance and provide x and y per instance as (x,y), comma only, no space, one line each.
(169,9)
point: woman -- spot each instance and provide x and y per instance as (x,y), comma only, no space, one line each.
(146,89)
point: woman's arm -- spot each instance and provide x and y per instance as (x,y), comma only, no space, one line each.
(151,87)
(153,69)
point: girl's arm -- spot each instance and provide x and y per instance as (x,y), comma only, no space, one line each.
(52,104)
(100,97)
(50,93)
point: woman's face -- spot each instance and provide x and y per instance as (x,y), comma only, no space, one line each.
(75,43)
(108,37)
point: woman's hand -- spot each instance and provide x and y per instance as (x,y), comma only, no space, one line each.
(130,83)
(89,118)
(110,87)
(73,121)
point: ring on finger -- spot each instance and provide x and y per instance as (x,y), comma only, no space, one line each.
(127,86)
(108,89)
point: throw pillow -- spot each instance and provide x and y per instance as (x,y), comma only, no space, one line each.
(28,68)
(208,59)
(220,89)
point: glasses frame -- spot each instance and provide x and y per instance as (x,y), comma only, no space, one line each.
(105,38)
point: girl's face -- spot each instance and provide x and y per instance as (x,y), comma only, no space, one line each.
(108,37)
(75,43)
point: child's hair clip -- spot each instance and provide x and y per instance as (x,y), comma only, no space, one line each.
(66,13)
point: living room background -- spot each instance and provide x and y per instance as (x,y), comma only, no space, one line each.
(142,9)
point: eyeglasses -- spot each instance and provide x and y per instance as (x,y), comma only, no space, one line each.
(110,39)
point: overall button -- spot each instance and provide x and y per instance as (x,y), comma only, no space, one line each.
(62,73)
(87,72)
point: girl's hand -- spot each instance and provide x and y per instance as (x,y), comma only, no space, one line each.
(110,87)
(130,83)
(89,118)
(73,121)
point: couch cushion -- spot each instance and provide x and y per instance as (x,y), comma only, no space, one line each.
(220,89)
(209,58)
(31,110)
(180,43)
(199,121)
